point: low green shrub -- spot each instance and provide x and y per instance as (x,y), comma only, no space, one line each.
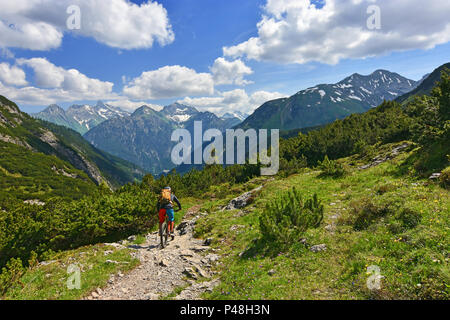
(61,225)
(445,178)
(292,166)
(331,168)
(286,218)
(10,275)
(364,150)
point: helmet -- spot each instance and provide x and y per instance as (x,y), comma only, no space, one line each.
(168,188)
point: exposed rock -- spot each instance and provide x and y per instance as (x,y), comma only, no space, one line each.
(74,156)
(193,292)
(236,227)
(212,257)
(381,159)
(16,141)
(34,202)
(186,253)
(184,227)
(46,263)
(201,272)
(199,249)
(163,263)
(241,201)
(189,272)
(318,248)
(10,109)
(207,242)
(435,176)
(64,173)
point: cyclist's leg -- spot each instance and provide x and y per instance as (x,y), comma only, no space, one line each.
(162,218)
(171,215)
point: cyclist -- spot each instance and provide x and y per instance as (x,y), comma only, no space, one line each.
(165,207)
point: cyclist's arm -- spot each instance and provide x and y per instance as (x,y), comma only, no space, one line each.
(177,202)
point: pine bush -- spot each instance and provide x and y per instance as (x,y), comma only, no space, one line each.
(331,168)
(286,218)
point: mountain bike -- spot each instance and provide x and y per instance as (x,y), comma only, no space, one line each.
(164,232)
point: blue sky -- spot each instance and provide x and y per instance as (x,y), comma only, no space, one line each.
(283,59)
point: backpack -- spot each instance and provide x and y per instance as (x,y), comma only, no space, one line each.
(166,197)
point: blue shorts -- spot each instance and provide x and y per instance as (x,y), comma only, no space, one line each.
(171,214)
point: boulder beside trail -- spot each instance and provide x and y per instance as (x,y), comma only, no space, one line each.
(242,201)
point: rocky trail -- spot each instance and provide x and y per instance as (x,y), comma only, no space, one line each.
(183,270)
(185,263)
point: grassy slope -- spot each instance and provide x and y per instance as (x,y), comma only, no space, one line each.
(414,263)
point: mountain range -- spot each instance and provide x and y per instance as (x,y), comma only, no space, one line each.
(80,118)
(327,102)
(144,137)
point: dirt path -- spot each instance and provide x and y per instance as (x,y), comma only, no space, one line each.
(181,264)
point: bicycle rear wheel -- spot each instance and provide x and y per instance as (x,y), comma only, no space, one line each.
(167,231)
(163,234)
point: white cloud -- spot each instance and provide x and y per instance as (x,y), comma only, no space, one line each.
(12,75)
(230,72)
(35,96)
(47,75)
(260,97)
(128,105)
(34,36)
(295,31)
(40,97)
(40,24)
(235,100)
(55,84)
(169,82)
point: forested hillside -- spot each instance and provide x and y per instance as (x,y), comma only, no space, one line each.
(43,138)
(425,87)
